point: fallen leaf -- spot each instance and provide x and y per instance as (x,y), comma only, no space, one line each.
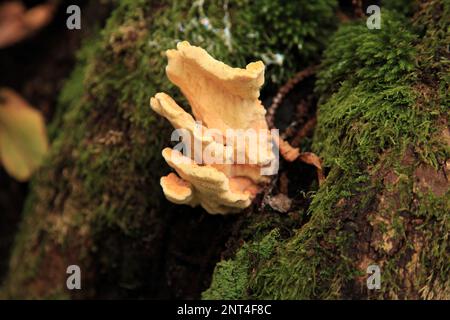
(310,158)
(287,151)
(23,138)
(314,160)
(291,154)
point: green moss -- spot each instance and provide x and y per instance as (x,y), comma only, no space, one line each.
(130,61)
(306,266)
(377,57)
(232,277)
(373,110)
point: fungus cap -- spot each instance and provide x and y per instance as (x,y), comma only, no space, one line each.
(222,98)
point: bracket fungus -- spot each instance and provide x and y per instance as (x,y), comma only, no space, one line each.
(228,151)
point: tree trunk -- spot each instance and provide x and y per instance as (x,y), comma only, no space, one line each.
(382,132)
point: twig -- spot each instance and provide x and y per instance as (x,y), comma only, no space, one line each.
(289,131)
(302,109)
(304,131)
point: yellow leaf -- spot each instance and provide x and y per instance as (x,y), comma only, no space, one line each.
(23,138)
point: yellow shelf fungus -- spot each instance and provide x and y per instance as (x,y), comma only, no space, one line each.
(224,101)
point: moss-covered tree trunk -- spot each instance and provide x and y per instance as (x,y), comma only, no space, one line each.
(382,131)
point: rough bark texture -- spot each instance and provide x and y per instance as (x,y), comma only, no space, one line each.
(382,130)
